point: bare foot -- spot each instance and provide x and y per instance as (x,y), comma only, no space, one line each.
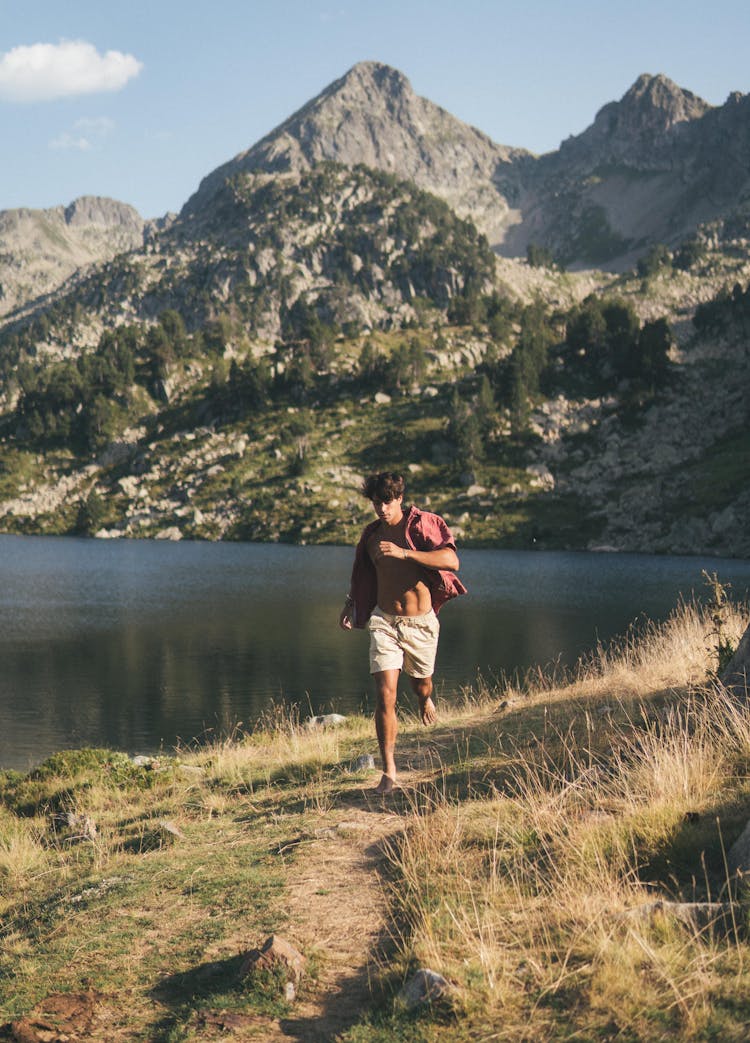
(427,710)
(386,785)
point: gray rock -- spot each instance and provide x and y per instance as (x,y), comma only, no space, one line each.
(364,763)
(325,720)
(107,534)
(170,533)
(698,915)
(541,476)
(425,986)
(738,856)
(275,952)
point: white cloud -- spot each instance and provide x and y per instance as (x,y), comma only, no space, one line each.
(68,141)
(86,134)
(44,71)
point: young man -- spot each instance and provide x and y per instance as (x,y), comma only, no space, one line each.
(402,574)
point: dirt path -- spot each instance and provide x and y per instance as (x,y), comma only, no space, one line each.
(337,912)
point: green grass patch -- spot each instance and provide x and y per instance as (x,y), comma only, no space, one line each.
(712,482)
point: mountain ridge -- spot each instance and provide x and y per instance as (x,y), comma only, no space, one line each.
(41,248)
(371,116)
(569,200)
(650,168)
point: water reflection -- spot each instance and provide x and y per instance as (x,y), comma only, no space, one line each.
(132,645)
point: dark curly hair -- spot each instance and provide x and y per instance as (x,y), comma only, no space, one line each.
(384,486)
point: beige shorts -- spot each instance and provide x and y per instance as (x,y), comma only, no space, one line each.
(403,642)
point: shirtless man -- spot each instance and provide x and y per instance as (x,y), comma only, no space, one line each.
(402,574)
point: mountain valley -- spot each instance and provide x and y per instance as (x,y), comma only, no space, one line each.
(555,347)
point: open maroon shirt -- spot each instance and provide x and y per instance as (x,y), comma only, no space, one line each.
(423,531)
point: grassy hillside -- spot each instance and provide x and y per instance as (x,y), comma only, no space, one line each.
(236,377)
(534,856)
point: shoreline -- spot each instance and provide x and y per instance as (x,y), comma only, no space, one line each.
(129,889)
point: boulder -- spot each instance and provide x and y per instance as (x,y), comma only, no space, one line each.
(170,533)
(325,720)
(541,477)
(424,986)
(276,953)
(364,763)
(129,485)
(738,856)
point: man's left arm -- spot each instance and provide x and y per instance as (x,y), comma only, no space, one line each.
(442,558)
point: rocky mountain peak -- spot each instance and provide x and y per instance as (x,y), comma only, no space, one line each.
(372,116)
(658,103)
(366,78)
(98,210)
(40,249)
(635,129)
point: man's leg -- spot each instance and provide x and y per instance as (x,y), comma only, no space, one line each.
(422,688)
(386,725)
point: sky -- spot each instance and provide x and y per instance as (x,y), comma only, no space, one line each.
(139,99)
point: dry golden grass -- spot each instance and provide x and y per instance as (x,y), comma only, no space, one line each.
(22,854)
(524,895)
(540,817)
(281,746)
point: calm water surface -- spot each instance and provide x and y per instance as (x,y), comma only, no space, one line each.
(138,645)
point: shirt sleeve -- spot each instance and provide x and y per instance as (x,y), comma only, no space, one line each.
(435,533)
(446,536)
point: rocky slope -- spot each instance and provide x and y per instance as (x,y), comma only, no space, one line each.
(40,249)
(216,454)
(305,320)
(650,168)
(372,116)
(357,246)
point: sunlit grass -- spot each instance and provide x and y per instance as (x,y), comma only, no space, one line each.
(543,816)
(524,898)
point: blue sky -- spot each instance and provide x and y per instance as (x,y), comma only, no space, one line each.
(139,100)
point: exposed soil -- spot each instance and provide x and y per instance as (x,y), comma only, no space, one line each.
(337,911)
(336,914)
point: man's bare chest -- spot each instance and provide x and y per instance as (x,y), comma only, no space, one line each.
(382,535)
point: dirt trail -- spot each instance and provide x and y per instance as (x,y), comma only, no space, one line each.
(337,911)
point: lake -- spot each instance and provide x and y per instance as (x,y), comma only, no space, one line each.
(142,645)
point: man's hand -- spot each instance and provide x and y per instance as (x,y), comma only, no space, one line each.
(345,618)
(390,550)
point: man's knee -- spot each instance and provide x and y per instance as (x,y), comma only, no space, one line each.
(386,689)
(421,685)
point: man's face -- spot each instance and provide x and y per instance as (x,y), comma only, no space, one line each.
(389,512)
